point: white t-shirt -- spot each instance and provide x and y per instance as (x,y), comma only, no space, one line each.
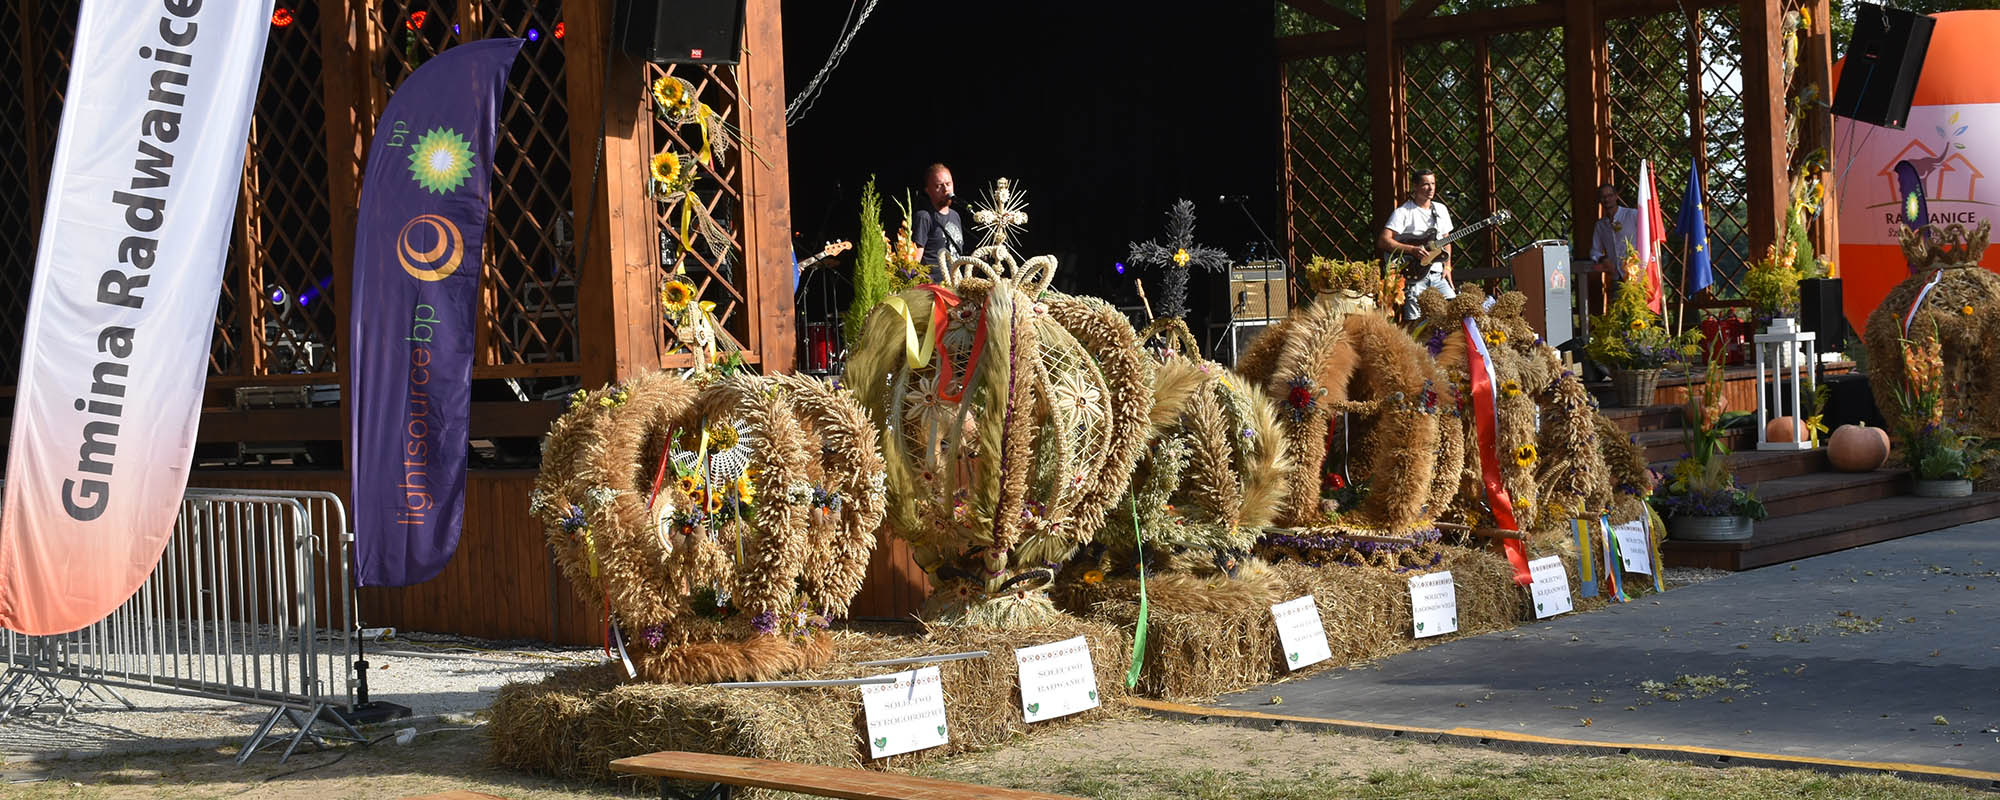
(1613,235)
(1408,220)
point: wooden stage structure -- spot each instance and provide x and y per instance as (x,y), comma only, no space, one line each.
(1485,93)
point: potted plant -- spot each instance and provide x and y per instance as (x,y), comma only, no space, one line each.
(1943,460)
(1771,284)
(1701,500)
(1628,339)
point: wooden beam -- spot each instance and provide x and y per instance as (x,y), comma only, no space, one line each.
(1763,120)
(1327,13)
(343,54)
(1619,9)
(1587,64)
(767,192)
(618,314)
(1480,23)
(1290,228)
(490,418)
(1314,45)
(1421,9)
(30,52)
(1384,71)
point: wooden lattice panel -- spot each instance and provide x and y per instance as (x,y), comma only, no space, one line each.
(716,267)
(1530,137)
(1726,192)
(530,280)
(1649,113)
(281,281)
(1326,158)
(1440,85)
(18,198)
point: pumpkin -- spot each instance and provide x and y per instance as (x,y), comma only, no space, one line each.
(1857,448)
(1783,429)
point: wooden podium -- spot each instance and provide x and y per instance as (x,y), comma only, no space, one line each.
(1542,272)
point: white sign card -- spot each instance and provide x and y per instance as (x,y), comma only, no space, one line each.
(1634,548)
(1433,605)
(906,715)
(1056,679)
(1300,632)
(1550,587)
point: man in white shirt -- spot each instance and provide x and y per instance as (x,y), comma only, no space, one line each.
(1617,232)
(1416,221)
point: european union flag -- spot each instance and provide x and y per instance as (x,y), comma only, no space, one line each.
(1693,223)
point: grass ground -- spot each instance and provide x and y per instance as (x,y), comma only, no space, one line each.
(1118,760)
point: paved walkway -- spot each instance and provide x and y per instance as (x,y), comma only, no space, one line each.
(1887,654)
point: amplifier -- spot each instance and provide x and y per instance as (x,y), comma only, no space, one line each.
(1257,294)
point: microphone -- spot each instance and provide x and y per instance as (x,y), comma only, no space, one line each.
(1232,198)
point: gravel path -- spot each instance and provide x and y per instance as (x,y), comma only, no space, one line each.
(437,677)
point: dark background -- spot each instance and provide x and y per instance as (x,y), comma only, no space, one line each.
(1105,113)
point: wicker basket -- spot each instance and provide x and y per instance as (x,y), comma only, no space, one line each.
(1635,387)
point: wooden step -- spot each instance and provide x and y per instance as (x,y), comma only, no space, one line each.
(1752,467)
(1668,445)
(1648,418)
(1817,491)
(1782,539)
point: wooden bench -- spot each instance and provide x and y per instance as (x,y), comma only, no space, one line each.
(725,772)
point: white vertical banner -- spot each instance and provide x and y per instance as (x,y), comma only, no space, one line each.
(141,202)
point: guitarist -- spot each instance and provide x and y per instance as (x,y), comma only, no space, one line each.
(1415,223)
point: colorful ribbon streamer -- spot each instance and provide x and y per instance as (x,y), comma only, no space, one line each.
(1918,303)
(1586,561)
(1614,565)
(1486,415)
(1653,550)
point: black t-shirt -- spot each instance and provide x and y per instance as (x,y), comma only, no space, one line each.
(939,232)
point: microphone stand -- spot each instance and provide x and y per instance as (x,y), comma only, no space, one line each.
(1242,203)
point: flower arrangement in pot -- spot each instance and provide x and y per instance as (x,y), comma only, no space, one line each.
(1943,459)
(1771,283)
(1700,499)
(1629,339)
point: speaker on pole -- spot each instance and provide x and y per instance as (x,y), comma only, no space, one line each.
(680,31)
(1820,311)
(1885,56)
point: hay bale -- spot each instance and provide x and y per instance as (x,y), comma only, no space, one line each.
(576,722)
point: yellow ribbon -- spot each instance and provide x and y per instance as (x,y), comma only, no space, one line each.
(915,353)
(1817,427)
(590,551)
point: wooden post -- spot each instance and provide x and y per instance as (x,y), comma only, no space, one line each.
(1817,55)
(343,49)
(618,314)
(1489,180)
(1385,80)
(1586,81)
(1290,229)
(767,212)
(1764,120)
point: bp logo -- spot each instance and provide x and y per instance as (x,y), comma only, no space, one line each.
(441,161)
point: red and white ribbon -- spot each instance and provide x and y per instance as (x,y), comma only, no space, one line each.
(1918,303)
(1486,422)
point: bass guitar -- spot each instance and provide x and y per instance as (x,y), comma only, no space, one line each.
(1432,247)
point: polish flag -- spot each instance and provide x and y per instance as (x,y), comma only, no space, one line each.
(1652,237)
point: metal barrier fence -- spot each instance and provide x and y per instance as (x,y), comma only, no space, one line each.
(251,602)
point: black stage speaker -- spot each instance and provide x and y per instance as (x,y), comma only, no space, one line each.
(1820,312)
(680,31)
(1884,57)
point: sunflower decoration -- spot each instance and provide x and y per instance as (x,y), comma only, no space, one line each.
(670,176)
(1638,324)
(728,453)
(1525,455)
(1967,310)
(1495,337)
(1510,388)
(674,99)
(676,296)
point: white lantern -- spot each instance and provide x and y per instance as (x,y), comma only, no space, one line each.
(1785,361)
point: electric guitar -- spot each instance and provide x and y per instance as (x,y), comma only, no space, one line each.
(1419,262)
(831,249)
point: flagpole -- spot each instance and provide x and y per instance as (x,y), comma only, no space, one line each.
(1681,313)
